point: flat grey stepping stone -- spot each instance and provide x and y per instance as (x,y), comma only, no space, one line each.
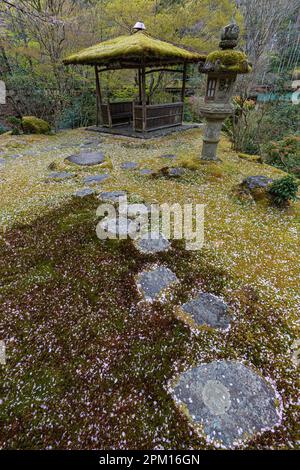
(229,400)
(146,171)
(60,175)
(175,172)
(152,283)
(168,155)
(208,309)
(129,165)
(87,158)
(256,182)
(152,243)
(84,192)
(95,178)
(2,161)
(111,196)
(118,227)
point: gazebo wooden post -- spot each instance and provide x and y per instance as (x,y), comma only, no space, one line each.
(99,117)
(140,85)
(183,88)
(143,90)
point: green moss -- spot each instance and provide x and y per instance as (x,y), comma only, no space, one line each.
(134,47)
(34,125)
(231,61)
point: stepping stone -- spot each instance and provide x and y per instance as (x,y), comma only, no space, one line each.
(208,309)
(175,172)
(152,243)
(146,171)
(2,161)
(168,155)
(111,196)
(117,227)
(60,175)
(87,158)
(152,283)
(229,400)
(256,182)
(129,165)
(95,178)
(84,192)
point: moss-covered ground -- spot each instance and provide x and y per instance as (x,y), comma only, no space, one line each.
(89,362)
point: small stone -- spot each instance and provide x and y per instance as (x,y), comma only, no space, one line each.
(208,309)
(84,192)
(168,155)
(129,165)
(152,243)
(87,158)
(146,171)
(95,178)
(175,172)
(256,182)
(111,196)
(60,175)
(229,400)
(2,161)
(153,283)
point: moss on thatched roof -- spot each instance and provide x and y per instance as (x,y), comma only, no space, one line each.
(132,49)
(230,61)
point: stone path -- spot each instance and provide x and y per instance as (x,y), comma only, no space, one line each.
(84,192)
(208,309)
(111,196)
(60,175)
(146,171)
(87,158)
(231,401)
(153,282)
(129,165)
(152,243)
(95,178)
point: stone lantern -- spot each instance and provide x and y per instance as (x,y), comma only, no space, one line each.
(222,67)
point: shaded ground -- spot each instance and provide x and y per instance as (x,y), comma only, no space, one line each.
(88,361)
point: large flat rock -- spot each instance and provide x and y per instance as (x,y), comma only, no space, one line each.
(152,283)
(229,400)
(208,309)
(256,182)
(60,175)
(87,158)
(111,196)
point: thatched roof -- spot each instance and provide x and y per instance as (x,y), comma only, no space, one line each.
(131,50)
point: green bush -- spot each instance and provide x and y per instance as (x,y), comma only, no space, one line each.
(284,190)
(34,125)
(284,154)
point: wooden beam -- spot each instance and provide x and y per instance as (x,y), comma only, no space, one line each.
(183,90)
(99,117)
(165,70)
(143,89)
(183,83)
(140,85)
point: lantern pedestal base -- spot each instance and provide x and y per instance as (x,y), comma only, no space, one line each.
(215,116)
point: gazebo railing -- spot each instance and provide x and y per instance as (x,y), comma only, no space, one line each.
(157,116)
(114,114)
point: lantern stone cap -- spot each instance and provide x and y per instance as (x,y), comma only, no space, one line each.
(226,59)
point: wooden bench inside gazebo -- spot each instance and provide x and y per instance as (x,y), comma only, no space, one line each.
(147,55)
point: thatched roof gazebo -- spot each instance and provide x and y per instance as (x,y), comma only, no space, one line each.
(137,51)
